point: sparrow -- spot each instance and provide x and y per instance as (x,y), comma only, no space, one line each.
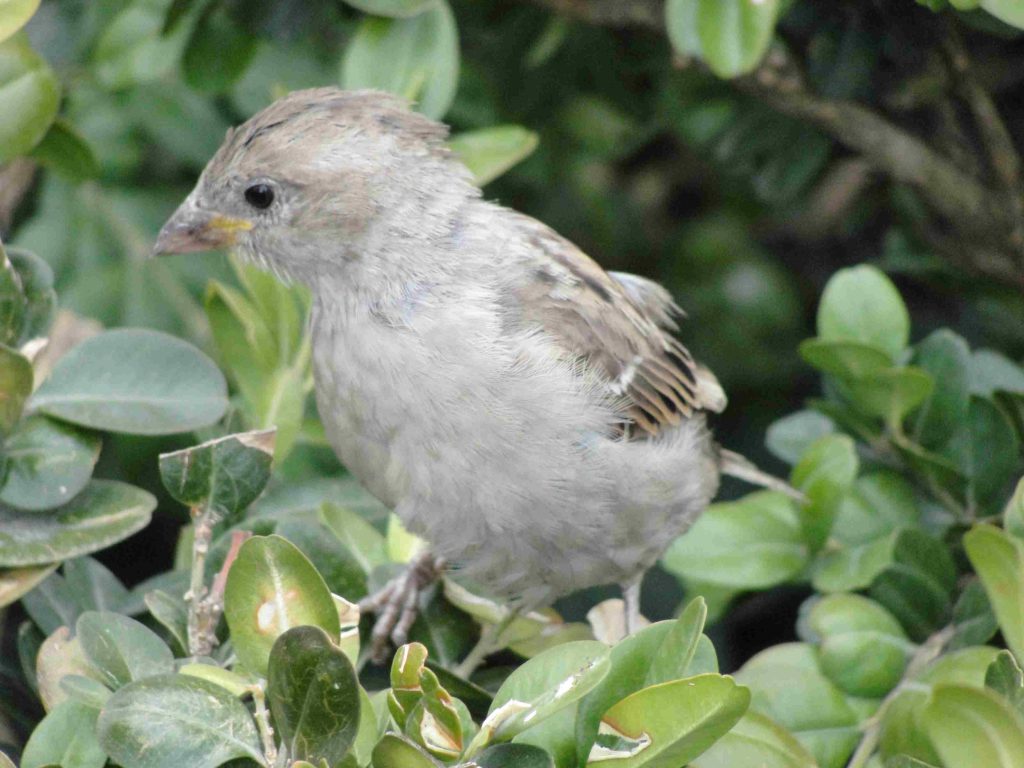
(530,415)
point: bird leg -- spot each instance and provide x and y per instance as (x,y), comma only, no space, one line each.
(631,604)
(397,603)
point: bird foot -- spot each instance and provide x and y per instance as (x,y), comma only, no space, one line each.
(397,603)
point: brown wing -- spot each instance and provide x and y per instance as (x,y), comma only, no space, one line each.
(619,325)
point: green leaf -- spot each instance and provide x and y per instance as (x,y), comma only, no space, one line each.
(85,690)
(947,359)
(59,656)
(998,559)
(669,724)
(992,372)
(730,35)
(65,737)
(176,720)
(15,387)
(14,14)
(396,9)
(19,581)
(514,756)
(821,718)
(863,649)
(136,381)
(64,150)
(30,93)
(756,740)
(132,48)
(48,463)
(226,475)
(218,52)
(103,513)
(416,58)
(660,653)
(95,588)
(825,473)
(861,304)
(172,614)
(1005,677)
(122,649)
(12,301)
(987,451)
(313,695)
(1005,10)
(544,687)
(973,620)
(971,727)
(1013,514)
(788,437)
(271,588)
(752,543)
(394,751)
(232,682)
(37,287)
(490,152)
(917,585)
(891,394)
(844,359)
(362,540)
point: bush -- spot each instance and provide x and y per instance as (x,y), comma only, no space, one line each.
(242,643)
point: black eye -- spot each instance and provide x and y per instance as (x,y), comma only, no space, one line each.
(259,196)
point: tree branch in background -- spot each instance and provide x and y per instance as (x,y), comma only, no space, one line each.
(988,223)
(15,181)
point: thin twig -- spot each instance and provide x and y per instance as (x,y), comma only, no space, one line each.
(1002,154)
(259,698)
(926,653)
(201,637)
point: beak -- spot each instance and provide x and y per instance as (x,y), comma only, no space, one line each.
(191,229)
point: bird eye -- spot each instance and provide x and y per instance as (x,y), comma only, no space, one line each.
(259,196)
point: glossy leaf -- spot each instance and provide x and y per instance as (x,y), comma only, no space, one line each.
(788,437)
(825,473)
(175,720)
(972,727)
(365,542)
(821,718)
(394,751)
(861,304)
(18,581)
(48,463)
(103,513)
(14,14)
(669,724)
(416,58)
(36,278)
(998,559)
(1005,677)
(172,614)
(513,756)
(947,359)
(730,35)
(313,695)
(136,381)
(30,93)
(64,150)
(271,588)
(756,740)
(844,359)
(752,543)
(224,475)
(490,152)
(65,737)
(660,653)
(986,449)
(121,648)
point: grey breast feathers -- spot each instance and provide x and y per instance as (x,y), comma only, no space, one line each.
(619,324)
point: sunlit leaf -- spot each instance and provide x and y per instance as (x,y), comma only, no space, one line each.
(30,93)
(48,463)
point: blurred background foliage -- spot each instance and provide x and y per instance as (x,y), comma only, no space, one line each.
(740,174)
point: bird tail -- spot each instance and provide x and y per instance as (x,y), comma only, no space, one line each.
(742,468)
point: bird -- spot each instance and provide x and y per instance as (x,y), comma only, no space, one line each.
(530,415)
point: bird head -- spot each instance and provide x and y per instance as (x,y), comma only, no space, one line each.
(308,181)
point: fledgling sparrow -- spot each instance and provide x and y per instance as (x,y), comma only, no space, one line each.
(527,413)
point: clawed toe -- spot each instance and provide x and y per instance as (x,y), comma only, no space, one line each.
(397,605)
